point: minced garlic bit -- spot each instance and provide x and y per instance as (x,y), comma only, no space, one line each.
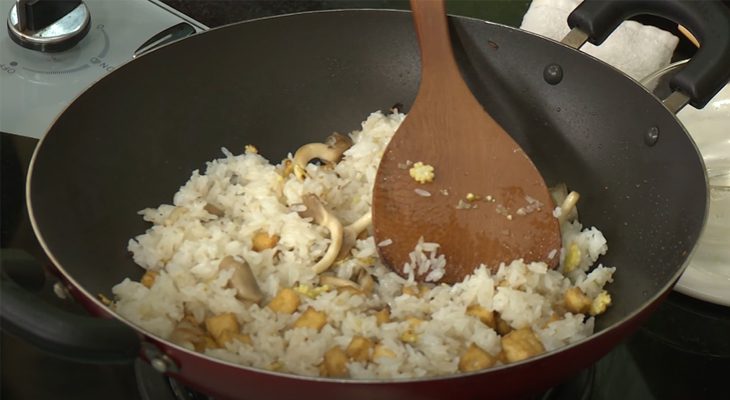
(600,303)
(251,149)
(422,173)
(472,197)
(312,292)
(572,258)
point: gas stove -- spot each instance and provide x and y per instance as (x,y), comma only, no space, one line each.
(682,351)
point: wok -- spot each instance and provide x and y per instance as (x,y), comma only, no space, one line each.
(134,137)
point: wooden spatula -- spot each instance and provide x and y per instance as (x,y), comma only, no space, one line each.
(487,203)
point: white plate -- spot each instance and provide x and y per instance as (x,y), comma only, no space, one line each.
(708,275)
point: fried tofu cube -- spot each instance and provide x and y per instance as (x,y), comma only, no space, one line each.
(474,358)
(148,279)
(382,316)
(359,349)
(335,363)
(600,303)
(222,326)
(381,351)
(576,301)
(262,241)
(311,318)
(286,301)
(484,315)
(521,344)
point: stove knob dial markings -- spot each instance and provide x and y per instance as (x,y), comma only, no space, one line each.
(9,68)
(92,54)
(48,25)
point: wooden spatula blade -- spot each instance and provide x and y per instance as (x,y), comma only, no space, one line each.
(487,203)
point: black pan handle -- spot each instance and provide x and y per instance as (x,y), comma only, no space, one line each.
(708,20)
(68,335)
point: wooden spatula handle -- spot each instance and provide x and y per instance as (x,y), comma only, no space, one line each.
(429,17)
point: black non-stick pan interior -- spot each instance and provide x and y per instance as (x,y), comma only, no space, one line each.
(131,140)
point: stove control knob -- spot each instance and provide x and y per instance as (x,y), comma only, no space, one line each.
(48,25)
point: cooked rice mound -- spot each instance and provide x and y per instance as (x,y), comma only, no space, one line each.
(398,328)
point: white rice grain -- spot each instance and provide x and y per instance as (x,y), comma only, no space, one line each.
(186,244)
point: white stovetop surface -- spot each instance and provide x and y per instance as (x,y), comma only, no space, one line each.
(35,87)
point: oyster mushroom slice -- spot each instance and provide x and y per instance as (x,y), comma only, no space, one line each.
(320,216)
(329,152)
(337,282)
(365,280)
(187,333)
(567,209)
(566,201)
(351,232)
(242,279)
